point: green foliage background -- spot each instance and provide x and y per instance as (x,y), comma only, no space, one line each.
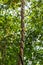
(10,21)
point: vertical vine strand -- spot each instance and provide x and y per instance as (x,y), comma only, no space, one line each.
(21,62)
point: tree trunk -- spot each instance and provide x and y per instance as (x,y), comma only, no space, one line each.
(3,52)
(21,62)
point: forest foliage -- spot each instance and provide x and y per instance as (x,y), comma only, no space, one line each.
(10,28)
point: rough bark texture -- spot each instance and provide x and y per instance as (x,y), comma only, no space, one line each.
(21,62)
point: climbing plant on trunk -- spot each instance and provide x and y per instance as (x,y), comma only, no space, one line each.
(21,62)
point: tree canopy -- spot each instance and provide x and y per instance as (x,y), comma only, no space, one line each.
(10,30)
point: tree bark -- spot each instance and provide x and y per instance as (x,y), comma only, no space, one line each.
(21,62)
